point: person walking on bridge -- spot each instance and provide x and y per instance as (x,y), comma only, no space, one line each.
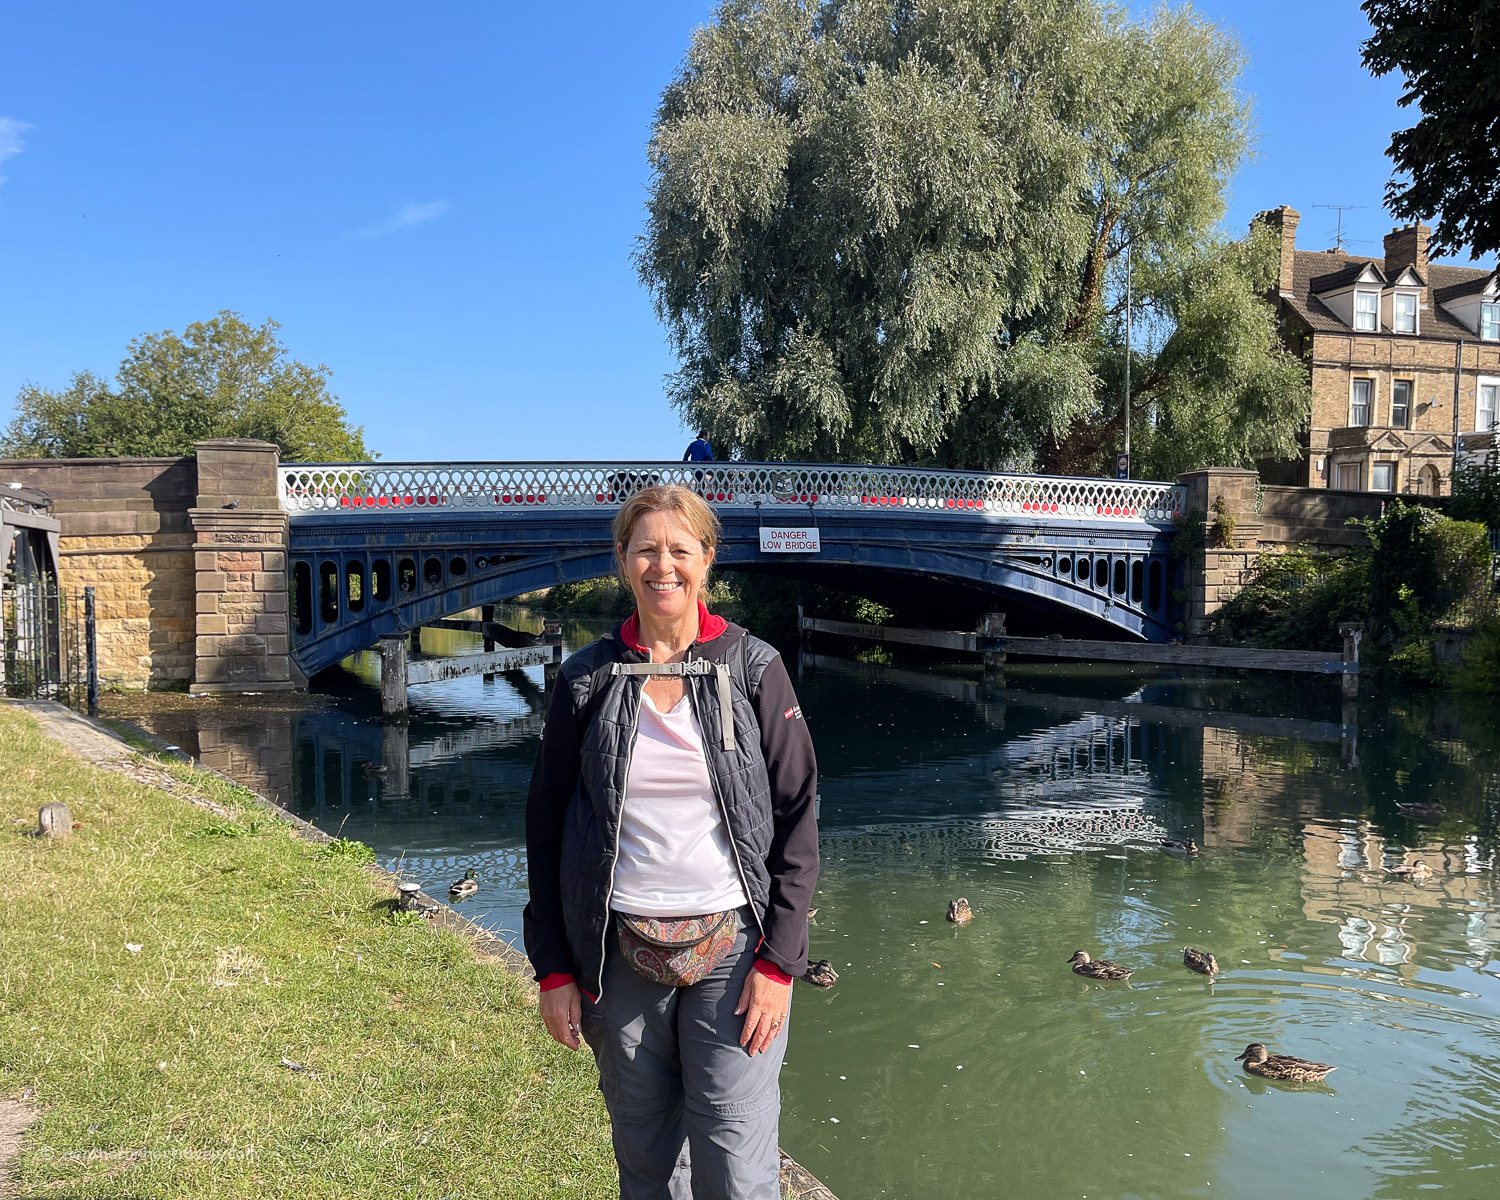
(672,853)
(698,449)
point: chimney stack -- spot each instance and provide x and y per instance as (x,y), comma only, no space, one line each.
(1284,221)
(1407,247)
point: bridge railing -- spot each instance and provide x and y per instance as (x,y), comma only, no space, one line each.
(504,487)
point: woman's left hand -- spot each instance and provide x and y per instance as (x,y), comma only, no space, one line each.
(765,1004)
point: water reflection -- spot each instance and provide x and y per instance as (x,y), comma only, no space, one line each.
(967,1061)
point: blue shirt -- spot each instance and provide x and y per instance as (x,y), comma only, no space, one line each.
(699,451)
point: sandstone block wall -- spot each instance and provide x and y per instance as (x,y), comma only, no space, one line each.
(125,530)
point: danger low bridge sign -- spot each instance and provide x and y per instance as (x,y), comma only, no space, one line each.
(789,539)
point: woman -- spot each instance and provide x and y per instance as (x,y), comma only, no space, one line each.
(675,780)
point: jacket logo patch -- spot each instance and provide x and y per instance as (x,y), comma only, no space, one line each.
(794,711)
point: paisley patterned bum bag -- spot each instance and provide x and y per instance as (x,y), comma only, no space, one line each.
(676,951)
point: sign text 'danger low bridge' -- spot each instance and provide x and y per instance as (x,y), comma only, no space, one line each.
(380,548)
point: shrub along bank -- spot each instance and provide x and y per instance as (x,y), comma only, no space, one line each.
(208,1005)
(1425,580)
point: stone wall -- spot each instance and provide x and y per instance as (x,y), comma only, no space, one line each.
(126,532)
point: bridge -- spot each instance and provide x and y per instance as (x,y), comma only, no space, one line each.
(377,549)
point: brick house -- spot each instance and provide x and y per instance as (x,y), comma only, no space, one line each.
(1382,339)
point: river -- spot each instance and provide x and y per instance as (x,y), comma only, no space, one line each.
(968,1061)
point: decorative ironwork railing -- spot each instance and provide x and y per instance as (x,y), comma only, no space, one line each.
(350,487)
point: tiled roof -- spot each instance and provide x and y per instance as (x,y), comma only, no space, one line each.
(1320,270)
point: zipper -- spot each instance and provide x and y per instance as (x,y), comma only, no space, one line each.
(713,780)
(609,894)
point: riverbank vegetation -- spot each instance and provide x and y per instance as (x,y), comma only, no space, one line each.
(1422,589)
(206,1004)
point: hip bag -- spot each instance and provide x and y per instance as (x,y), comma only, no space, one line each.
(677,951)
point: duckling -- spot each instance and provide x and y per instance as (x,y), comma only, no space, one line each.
(1180,845)
(1199,960)
(959,911)
(1098,968)
(812,916)
(1417,872)
(1281,1066)
(466,886)
(820,974)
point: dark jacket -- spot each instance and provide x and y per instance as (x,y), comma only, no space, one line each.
(765,784)
(698,451)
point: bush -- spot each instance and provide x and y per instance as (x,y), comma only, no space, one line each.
(1296,600)
(1476,491)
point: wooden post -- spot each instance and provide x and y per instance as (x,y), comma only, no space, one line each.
(1352,632)
(1349,733)
(487,615)
(393,676)
(552,636)
(993,625)
(395,757)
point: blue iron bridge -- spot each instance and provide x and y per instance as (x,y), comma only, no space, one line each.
(382,548)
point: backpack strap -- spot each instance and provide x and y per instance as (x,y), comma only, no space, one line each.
(696,666)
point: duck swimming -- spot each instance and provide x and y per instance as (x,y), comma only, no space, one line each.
(466,886)
(820,974)
(959,911)
(1281,1066)
(1179,845)
(1093,968)
(1417,872)
(1199,960)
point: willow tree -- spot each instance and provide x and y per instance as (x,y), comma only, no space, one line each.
(893,231)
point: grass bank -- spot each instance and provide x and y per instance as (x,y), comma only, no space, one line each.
(164,963)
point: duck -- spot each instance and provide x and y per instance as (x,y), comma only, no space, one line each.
(373,770)
(959,911)
(820,974)
(1098,968)
(1179,845)
(1199,960)
(812,916)
(466,886)
(1417,872)
(1281,1066)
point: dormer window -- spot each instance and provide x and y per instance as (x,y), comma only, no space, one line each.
(1404,319)
(1367,311)
(1489,320)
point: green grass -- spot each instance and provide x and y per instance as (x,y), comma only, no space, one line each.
(159,1072)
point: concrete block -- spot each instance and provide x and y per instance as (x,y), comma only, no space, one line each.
(211,623)
(270,581)
(211,581)
(278,643)
(275,602)
(207,602)
(206,560)
(271,623)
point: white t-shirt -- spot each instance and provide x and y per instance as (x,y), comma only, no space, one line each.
(675,857)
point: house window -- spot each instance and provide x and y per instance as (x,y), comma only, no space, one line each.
(1406,312)
(1401,403)
(1348,477)
(1359,401)
(1489,400)
(1367,311)
(1489,320)
(1383,477)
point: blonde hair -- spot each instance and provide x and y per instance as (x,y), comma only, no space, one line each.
(668,498)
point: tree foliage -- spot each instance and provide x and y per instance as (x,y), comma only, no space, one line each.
(1448,52)
(218,378)
(893,232)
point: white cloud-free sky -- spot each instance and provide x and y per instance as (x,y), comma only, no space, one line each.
(440,202)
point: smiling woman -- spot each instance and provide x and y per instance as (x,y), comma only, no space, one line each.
(672,803)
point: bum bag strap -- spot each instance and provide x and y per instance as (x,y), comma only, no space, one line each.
(697,666)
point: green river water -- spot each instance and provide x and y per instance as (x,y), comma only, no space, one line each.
(969,1061)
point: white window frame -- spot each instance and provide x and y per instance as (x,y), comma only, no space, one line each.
(1396,315)
(1489,320)
(1373,314)
(1354,385)
(1376,468)
(1411,390)
(1486,383)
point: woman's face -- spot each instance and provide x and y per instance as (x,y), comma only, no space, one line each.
(666,565)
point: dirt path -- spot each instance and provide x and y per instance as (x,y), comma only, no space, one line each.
(15,1117)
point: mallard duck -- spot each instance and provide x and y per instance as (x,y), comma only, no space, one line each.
(812,916)
(1199,960)
(1417,872)
(959,911)
(1281,1066)
(820,974)
(466,886)
(1179,845)
(1098,968)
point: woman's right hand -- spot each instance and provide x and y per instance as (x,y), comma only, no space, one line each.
(562,1012)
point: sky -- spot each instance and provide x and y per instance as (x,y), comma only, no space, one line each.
(440,201)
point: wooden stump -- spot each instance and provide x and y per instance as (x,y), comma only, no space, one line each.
(54,820)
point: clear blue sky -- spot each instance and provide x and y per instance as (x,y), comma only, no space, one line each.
(439,201)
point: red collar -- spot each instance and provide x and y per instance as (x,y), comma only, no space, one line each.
(709,627)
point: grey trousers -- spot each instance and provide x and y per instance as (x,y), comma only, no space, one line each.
(694,1116)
